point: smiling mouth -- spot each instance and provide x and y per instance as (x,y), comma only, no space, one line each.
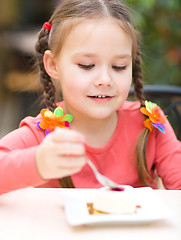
(100,96)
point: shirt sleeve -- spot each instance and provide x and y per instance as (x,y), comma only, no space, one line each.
(168,158)
(17,159)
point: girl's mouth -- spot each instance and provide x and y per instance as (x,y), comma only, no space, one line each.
(101,98)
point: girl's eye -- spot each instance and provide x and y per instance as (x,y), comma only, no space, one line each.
(119,68)
(86,67)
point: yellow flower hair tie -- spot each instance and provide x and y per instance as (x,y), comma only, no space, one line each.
(156,117)
(51,120)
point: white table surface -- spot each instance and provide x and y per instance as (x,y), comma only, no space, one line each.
(38,214)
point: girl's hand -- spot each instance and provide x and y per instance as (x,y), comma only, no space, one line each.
(61,153)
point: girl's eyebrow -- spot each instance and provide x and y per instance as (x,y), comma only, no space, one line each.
(124,56)
(84,54)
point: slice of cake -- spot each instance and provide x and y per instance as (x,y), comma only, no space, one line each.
(115,201)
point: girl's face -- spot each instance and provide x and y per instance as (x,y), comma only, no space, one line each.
(94,68)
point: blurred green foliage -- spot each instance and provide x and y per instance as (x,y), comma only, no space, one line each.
(159,22)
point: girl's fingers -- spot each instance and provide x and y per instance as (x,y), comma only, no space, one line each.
(69,149)
(62,167)
(60,154)
(71,163)
(62,134)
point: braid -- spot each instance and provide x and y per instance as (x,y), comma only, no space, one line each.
(137,79)
(49,89)
(142,168)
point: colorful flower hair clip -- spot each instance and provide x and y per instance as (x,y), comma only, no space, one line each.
(156,117)
(51,120)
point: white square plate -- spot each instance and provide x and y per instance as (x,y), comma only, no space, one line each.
(75,200)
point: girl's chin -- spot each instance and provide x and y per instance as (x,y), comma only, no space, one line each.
(100,115)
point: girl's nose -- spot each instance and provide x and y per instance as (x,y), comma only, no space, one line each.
(103,78)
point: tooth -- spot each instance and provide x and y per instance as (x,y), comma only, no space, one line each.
(99,96)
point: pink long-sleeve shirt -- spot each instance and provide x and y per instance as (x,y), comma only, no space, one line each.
(116,159)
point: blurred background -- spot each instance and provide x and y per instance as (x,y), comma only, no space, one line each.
(159,22)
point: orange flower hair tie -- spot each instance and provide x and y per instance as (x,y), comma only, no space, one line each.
(156,117)
(51,120)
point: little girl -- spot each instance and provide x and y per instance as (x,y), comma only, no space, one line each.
(91,49)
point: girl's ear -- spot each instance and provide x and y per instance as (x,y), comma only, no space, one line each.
(50,64)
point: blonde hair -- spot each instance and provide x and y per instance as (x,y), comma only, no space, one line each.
(69,13)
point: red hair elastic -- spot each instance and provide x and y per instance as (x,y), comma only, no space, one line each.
(47,25)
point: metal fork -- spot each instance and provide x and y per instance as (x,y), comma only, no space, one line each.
(101,178)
